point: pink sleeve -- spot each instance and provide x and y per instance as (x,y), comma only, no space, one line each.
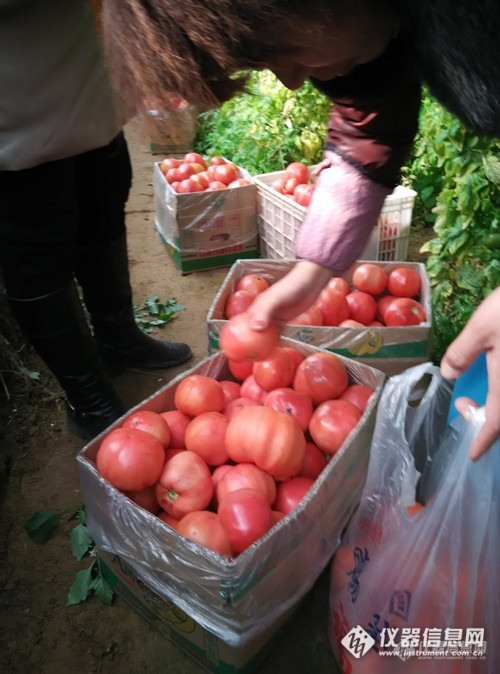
(343,211)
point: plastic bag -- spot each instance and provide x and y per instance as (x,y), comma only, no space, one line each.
(416,590)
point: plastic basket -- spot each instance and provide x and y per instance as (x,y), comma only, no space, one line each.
(279,218)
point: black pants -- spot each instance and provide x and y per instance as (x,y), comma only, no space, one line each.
(48,210)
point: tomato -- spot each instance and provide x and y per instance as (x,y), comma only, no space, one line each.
(322,376)
(404,311)
(169,163)
(252,283)
(290,185)
(189,185)
(252,390)
(197,394)
(240,342)
(168,519)
(370,278)
(277,516)
(184,485)
(297,170)
(311,316)
(339,284)
(218,473)
(240,371)
(205,436)
(206,529)
(215,185)
(314,462)
(200,180)
(225,173)
(349,323)
(382,304)
(130,459)
(270,439)
(246,475)
(275,371)
(232,390)
(185,171)
(145,498)
(303,194)
(362,306)
(296,355)
(194,158)
(404,282)
(333,306)
(177,423)
(217,161)
(237,405)
(289,401)
(239,182)
(238,302)
(332,422)
(149,422)
(291,492)
(246,516)
(197,168)
(375,324)
(358,394)
(279,185)
(172,175)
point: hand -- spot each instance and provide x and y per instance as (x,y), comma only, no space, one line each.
(289,296)
(482,333)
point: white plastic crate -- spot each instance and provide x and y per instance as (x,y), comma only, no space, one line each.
(279,218)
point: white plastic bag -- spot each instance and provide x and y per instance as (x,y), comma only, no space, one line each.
(406,579)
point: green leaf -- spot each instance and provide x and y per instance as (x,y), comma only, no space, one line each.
(470,278)
(491,165)
(81,542)
(41,525)
(81,588)
(454,243)
(102,589)
(31,374)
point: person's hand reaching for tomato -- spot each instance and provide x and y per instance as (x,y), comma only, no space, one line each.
(482,333)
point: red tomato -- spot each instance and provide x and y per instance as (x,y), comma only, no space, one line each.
(172,451)
(200,181)
(194,158)
(252,390)
(375,324)
(289,401)
(290,185)
(184,485)
(169,163)
(279,185)
(197,394)
(205,177)
(197,168)
(218,473)
(238,302)
(370,278)
(331,423)
(349,323)
(314,462)
(240,342)
(303,194)
(130,459)
(362,306)
(404,282)
(277,516)
(145,498)
(252,283)
(333,305)
(272,440)
(232,390)
(237,405)
(246,516)
(185,171)
(240,371)
(311,316)
(404,311)
(149,422)
(382,304)
(168,519)
(322,376)
(291,492)
(217,161)
(215,185)
(358,394)
(205,437)
(275,371)
(189,185)
(239,182)
(225,173)
(177,423)
(296,355)
(297,170)
(172,175)
(206,529)
(246,476)
(339,284)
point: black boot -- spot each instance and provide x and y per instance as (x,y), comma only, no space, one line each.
(55,325)
(104,278)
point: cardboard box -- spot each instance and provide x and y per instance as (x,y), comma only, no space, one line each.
(203,230)
(209,651)
(239,599)
(390,350)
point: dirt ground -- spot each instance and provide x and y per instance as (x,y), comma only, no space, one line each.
(38,472)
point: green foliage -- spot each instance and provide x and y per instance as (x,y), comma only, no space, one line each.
(268,127)
(156,314)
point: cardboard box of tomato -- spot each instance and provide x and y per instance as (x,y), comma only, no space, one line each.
(207,229)
(389,349)
(239,602)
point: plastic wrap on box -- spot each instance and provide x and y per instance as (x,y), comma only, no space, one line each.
(390,349)
(235,599)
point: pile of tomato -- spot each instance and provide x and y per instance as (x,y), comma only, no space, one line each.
(374,298)
(296,183)
(193,173)
(235,456)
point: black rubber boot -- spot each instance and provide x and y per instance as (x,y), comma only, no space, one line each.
(104,278)
(55,325)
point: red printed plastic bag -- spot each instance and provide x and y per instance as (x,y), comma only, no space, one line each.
(415,587)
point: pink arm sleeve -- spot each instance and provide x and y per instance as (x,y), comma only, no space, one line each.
(343,211)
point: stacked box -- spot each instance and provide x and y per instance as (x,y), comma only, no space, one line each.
(203,230)
(389,349)
(241,602)
(279,218)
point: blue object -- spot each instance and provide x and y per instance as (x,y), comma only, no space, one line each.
(473,383)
